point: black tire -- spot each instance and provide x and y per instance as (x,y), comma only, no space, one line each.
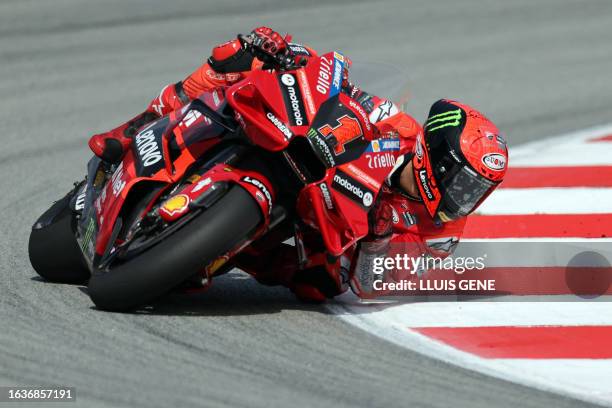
(179,257)
(53,249)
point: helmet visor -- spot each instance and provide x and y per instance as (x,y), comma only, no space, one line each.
(462,192)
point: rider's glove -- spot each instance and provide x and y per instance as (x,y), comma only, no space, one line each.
(380,220)
(376,245)
(268,41)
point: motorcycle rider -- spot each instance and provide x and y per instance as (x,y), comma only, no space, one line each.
(444,172)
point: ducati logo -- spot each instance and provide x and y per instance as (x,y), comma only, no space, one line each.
(347,130)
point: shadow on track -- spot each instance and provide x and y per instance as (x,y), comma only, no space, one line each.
(234,294)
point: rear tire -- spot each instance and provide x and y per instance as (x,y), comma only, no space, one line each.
(180,256)
(53,249)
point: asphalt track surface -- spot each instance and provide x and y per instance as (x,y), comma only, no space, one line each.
(69,68)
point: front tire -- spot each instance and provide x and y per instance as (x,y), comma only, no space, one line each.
(53,249)
(180,256)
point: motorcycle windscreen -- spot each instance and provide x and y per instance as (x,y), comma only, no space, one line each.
(387,81)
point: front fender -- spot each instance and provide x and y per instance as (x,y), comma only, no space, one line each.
(205,184)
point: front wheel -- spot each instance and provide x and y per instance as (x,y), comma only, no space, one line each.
(172,261)
(53,249)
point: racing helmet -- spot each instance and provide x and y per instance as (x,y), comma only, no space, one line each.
(460,159)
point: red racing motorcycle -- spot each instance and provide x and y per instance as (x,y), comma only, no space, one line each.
(283,146)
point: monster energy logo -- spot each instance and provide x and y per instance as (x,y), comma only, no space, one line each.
(445,119)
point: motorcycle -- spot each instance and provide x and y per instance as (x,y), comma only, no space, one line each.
(281,147)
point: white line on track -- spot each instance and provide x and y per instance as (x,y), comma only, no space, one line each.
(548,201)
(384,325)
(558,150)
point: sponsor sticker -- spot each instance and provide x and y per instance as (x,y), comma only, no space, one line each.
(325,75)
(322,147)
(177,204)
(390,145)
(353,189)
(214,75)
(395,216)
(425,184)
(368,198)
(305,86)
(262,187)
(117,181)
(326,196)
(280,125)
(79,203)
(494,161)
(298,49)
(451,118)
(191,117)
(201,184)
(385,145)
(288,79)
(148,148)
(337,81)
(361,112)
(375,146)
(380,160)
(293,100)
(385,110)
(409,219)
(232,76)
(357,172)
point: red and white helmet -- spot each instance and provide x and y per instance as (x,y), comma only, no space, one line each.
(460,160)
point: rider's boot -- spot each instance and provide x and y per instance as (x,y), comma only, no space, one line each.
(112,145)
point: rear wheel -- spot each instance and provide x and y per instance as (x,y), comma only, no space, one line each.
(53,249)
(180,256)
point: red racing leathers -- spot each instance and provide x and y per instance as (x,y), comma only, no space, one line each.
(394,218)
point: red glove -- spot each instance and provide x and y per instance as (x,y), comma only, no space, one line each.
(380,219)
(269,41)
